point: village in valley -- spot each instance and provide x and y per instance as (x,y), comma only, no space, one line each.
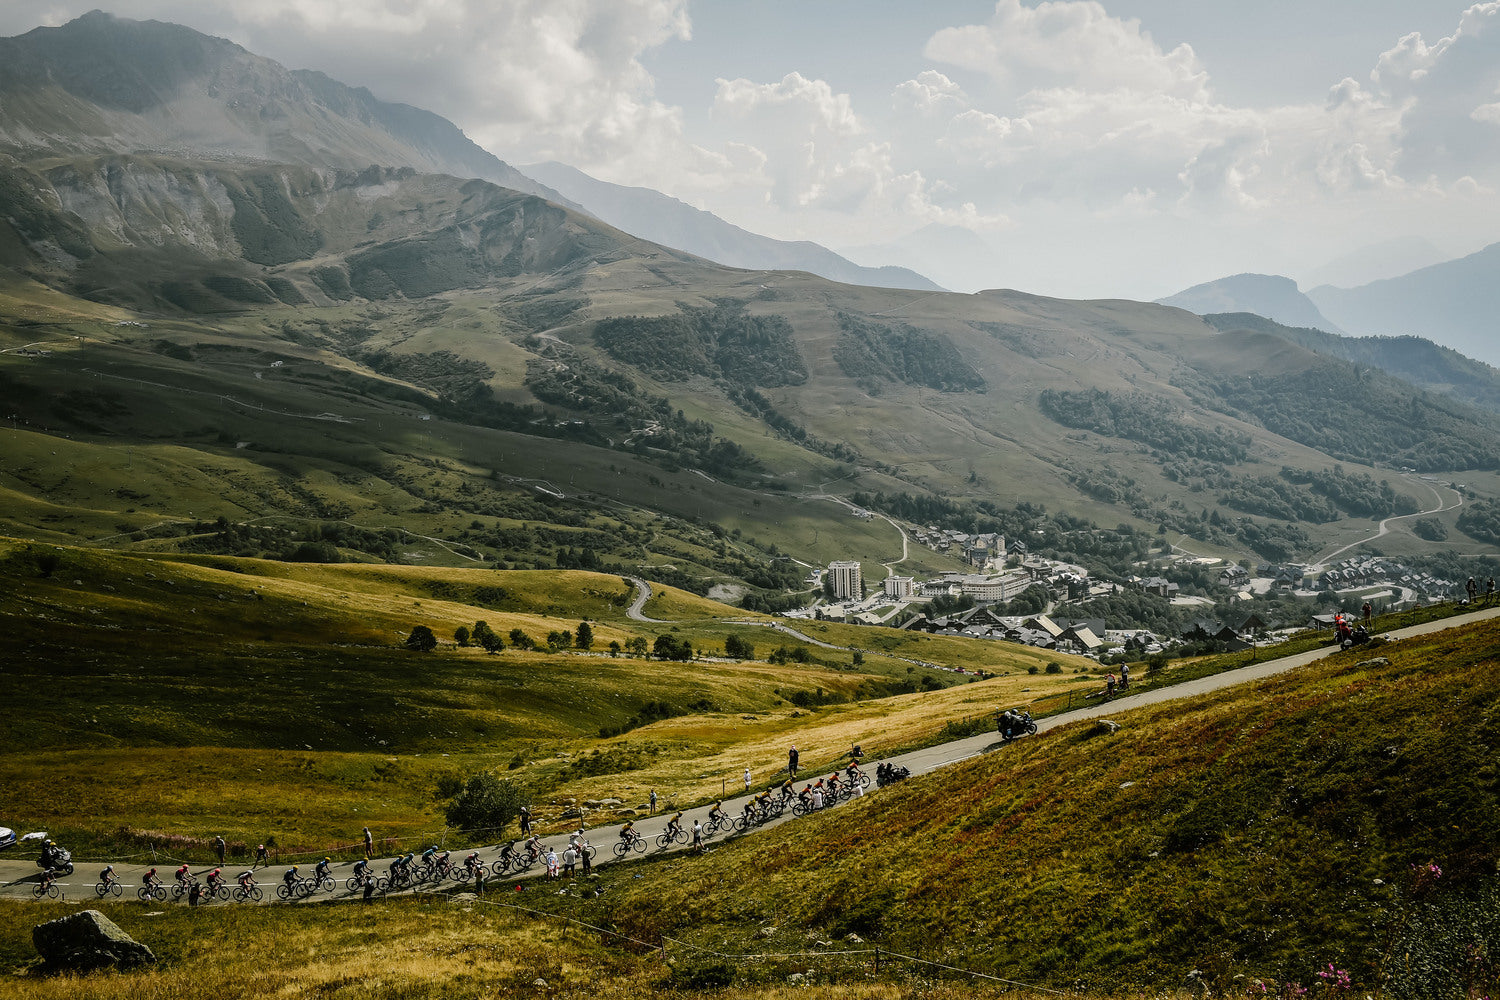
(977,604)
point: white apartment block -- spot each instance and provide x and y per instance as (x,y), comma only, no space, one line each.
(899,587)
(847,581)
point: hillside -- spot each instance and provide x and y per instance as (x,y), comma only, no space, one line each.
(1414,359)
(102,85)
(418,352)
(1261,834)
(654,216)
(1269,295)
(1453,303)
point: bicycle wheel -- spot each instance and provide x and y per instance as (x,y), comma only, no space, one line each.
(639,844)
(283,892)
(864,781)
(382,885)
(101,889)
(621,848)
(500,867)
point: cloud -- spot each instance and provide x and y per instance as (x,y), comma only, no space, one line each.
(1065,43)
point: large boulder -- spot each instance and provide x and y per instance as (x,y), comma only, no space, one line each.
(88,940)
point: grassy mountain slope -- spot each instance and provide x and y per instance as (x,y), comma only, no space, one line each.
(102,84)
(1261,833)
(263,684)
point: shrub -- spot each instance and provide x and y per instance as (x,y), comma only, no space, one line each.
(1053,668)
(421,639)
(485,803)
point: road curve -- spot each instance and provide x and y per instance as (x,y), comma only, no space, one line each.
(18,875)
(642,595)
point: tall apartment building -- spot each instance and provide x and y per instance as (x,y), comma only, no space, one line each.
(899,587)
(847,581)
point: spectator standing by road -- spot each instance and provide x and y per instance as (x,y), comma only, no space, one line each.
(1368,609)
(1489,590)
(262,857)
(1472,588)
(525,821)
(219,849)
(747,780)
(369,845)
(791,761)
(653,801)
(697,835)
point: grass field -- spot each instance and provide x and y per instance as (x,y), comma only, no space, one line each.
(180,697)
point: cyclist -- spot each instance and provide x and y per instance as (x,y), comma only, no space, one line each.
(534,846)
(150,879)
(716,817)
(748,813)
(107,876)
(429,854)
(361,870)
(805,796)
(398,869)
(184,876)
(320,871)
(833,784)
(788,789)
(291,876)
(473,864)
(674,826)
(627,832)
(444,865)
(508,852)
(246,880)
(215,879)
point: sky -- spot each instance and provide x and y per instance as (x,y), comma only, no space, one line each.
(1082,148)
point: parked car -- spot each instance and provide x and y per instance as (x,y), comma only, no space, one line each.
(7,837)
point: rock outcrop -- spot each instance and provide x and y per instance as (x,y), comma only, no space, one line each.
(88,940)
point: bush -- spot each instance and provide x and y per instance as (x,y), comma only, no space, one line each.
(1054,667)
(421,639)
(485,803)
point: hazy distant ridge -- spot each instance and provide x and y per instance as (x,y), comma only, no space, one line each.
(661,219)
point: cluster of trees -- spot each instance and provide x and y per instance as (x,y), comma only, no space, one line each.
(722,341)
(669,647)
(739,649)
(868,350)
(757,405)
(1149,421)
(1354,493)
(1270,496)
(1480,520)
(1359,414)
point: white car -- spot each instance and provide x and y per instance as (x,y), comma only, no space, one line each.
(7,837)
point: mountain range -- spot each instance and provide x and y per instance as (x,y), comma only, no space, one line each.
(460,344)
(661,219)
(1453,303)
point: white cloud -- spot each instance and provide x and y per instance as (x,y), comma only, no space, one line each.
(1070,44)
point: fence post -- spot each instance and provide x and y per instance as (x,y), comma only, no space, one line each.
(877,960)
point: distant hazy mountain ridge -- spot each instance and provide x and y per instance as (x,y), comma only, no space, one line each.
(661,219)
(1269,295)
(1456,303)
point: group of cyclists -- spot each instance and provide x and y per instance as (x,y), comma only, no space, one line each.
(434,865)
(758,809)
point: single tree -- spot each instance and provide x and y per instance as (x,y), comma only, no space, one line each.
(520,640)
(584,637)
(487,637)
(421,639)
(461,635)
(486,803)
(614,648)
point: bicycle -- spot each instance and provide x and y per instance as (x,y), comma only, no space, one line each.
(325,883)
(216,890)
(152,890)
(243,893)
(298,888)
(356,883)
(47,887)
(636,843)
(183,887)
(108,887)
(669,836)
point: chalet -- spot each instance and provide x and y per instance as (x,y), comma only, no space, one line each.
(1082,638)
(1160,586)
(1042,623)
(1234,576)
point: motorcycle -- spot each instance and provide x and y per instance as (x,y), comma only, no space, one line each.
(56,858)
(889,774)
(1357,637)
(1015,724)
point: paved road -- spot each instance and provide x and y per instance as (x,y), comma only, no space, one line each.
(18,874)
(642,595)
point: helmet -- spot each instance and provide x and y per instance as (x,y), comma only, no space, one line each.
(294,867)
(327,859)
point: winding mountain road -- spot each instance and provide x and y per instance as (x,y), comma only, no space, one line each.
(1385,526)
(18,874)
